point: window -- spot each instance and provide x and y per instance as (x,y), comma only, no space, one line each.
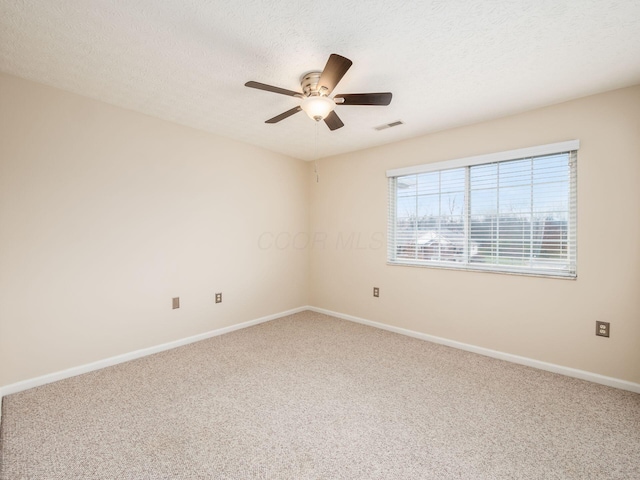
(512,212)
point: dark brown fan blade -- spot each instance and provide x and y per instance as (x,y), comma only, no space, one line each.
(270,88)
(284,115)
(333,72)
(365,98)
(333,121)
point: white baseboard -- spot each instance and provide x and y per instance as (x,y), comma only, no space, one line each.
(107,362)
(529,362)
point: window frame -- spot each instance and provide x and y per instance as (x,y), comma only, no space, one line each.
(568,147)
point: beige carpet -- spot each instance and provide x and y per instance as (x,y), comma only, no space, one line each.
(313,397)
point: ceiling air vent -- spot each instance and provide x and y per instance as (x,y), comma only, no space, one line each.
(389,125)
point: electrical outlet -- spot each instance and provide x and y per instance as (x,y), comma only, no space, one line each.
(218,297)
(376,292)
(602,329)
(175,302)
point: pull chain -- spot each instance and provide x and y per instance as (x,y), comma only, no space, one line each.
(315,161)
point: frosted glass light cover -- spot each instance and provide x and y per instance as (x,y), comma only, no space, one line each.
(318,107)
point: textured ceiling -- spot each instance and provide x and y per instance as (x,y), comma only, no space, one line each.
(447,62)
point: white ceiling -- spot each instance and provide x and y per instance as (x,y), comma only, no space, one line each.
(447,62)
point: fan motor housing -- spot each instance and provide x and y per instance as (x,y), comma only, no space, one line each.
(309,83)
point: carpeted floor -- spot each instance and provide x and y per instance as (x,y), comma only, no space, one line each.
(313,397)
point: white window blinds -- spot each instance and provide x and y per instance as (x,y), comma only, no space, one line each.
(514,215)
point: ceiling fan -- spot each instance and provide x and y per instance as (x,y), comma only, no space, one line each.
(316,88)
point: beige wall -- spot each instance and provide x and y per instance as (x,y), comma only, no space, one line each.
(551,320)
(105,214)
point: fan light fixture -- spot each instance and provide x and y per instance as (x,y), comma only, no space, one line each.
(317,107)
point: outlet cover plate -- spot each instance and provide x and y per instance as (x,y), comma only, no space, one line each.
(376,292)
(602,329)
(218,297)
(175,302)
